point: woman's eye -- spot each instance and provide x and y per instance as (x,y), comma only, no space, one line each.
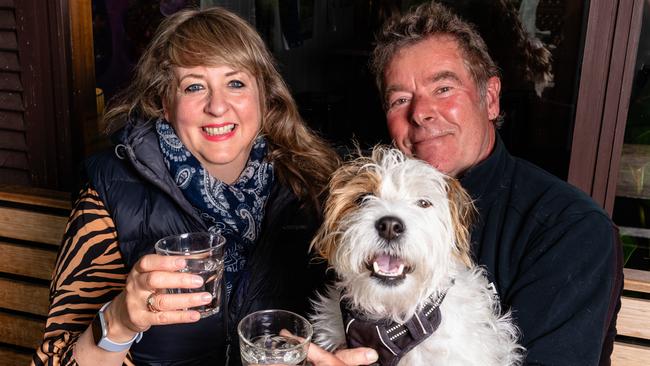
(424,203)
(193,88)
(236,84)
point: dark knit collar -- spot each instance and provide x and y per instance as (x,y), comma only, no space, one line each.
(479,179)
(390,339)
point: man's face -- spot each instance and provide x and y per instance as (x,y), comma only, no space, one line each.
(435,110)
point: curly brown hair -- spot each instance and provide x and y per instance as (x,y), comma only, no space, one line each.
(430,20)
(213,37)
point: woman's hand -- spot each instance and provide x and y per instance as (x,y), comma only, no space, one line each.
(344,357)
(129,312)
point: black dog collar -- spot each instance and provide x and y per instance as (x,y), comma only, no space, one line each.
(392,340)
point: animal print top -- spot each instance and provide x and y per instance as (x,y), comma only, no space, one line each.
(89,272)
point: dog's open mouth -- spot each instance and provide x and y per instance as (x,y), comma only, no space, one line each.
(388,268)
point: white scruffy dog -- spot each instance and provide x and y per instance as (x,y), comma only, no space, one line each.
(396,232)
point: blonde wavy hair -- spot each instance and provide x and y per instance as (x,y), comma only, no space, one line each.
(214,37)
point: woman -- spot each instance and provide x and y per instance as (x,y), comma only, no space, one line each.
(212,140)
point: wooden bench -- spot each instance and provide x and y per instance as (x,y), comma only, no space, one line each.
(632,347)
(32,222)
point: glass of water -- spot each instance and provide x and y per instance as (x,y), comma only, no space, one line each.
(261,342)
(203,253)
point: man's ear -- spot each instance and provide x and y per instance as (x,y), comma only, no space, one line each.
(492,97)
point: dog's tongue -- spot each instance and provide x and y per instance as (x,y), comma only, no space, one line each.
(388,263)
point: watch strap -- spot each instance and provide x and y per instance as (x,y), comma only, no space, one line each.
(100,334)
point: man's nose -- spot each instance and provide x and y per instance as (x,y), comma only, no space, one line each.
(422,110)
(216,103)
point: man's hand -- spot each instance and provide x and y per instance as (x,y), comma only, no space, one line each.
(345,357)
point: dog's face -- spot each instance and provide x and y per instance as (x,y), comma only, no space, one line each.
(395,229)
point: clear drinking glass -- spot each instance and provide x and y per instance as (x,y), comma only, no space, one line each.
(203,253)
(260,341)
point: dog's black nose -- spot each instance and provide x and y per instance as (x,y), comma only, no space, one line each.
(389,227)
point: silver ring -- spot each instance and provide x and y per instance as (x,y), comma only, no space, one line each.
(151,303)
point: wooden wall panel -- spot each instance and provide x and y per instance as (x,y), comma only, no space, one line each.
(7,19)
(14,176)
(9,61)
(8,40)
(43,54)
(13,140)
(10,81)
(11,101)
(13,159)
(11,121)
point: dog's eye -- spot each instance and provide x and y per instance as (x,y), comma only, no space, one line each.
(424,203)
(361,198)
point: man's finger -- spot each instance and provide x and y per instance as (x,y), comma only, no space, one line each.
(358,356)
(320,357)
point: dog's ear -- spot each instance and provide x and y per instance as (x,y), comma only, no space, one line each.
(347,187)
(463,213)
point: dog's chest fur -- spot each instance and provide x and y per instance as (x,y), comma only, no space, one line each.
(471,331)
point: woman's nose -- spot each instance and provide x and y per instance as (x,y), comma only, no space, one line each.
(216,103)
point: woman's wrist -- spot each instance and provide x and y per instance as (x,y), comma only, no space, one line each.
(117,331)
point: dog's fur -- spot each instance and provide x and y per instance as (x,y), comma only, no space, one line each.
(436,213)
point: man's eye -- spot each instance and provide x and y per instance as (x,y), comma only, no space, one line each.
(398,101)
(443,89)
(193,88)
(236,84)
(423,203)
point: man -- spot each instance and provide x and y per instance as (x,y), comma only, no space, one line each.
(550,251)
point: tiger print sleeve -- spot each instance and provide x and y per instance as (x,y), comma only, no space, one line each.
(89,272)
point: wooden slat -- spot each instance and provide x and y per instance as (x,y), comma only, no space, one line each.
(7,19)
(7,4)
(10,357)
(12,121)
(26,261)
(10,81)
(634,318)
(35,196)
(20,330)
(8,40)
(13,140)
(14,176)
(9,61)
(12,101)
(32,226)
(14,159)
(24,296)
(630,355)
(637,280)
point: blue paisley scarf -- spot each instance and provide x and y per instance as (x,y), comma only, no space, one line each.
(235,210)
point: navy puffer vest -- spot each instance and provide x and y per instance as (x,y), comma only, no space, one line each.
(145,204)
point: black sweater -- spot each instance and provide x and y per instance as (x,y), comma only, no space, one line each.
(553,256)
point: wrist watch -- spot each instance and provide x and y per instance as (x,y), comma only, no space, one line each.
(100,334)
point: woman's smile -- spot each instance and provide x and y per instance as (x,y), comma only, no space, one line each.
(219,132)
